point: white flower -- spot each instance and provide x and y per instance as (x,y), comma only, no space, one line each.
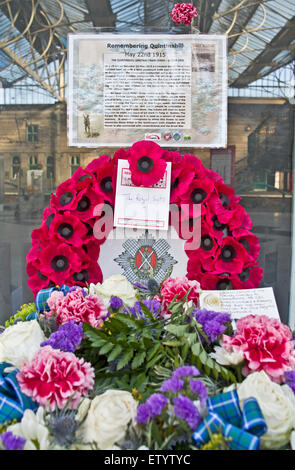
(211,301)
(19,342)
(32,428)
(115,286)
(108,417)
(227,358)
(277,403)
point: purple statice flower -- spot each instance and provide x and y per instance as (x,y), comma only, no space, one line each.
(66,338)
(153,406)
(186,410)
(154,307)
(199,389)
(213,323)
(186,371)
(116,303)
(172,385)
(290,379)
(143,413)
(12,442)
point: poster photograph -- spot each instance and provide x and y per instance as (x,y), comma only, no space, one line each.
(125,88)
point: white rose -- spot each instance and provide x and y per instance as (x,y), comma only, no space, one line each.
(227,358)
(32,428)
(19,342)
(115,286)
(277,404)
(108,417)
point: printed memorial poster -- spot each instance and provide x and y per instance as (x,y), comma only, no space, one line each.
(126,88)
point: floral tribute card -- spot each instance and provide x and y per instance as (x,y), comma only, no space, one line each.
(141,207)
(240,303)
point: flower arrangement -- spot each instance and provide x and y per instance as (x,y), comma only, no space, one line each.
(65,249)
(154,372)
(140,366)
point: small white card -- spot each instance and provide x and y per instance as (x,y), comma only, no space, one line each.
(240,303)
(139,207)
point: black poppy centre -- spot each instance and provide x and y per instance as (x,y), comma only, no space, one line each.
(65,230)
(66,198)
(106,184)
(206,243)
(244,275)
(83,204)
(198,195)
(82,276)
(145,164)
(224,284)
(59,263)
(228,253)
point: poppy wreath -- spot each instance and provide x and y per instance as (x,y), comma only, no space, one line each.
(65,249)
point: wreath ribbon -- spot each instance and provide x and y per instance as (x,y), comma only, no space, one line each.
(243,428)
(44,294)
(13,402)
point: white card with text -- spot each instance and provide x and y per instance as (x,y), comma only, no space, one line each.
(140,207)
(240,303)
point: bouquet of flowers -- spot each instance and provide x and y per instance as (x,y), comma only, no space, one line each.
(116,365)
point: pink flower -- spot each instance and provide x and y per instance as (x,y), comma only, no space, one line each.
(266,344)
(78,307)
(183,13)
(178,288)
(54,376)
(146,163)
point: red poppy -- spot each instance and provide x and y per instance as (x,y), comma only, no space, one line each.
(213,281)
(58,260)
(146,163)
(208,245)
(69,229)
(249,278)
(231,257)
(193,162)
(88,200)
(66,197)
(181,178)
(218,229)
(95,165)
(120,154)
(249,241)
(83,178)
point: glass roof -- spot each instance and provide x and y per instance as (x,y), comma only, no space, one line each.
(34,33)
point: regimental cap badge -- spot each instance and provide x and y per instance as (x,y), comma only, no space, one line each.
(146,258)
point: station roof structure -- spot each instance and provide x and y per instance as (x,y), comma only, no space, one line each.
(33,34)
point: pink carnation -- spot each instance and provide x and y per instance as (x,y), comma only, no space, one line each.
(75,306)
(183,13)
(54,302)
(178,288)
(54,376)
(266,344)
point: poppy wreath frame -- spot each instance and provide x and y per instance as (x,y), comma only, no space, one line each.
(65,249)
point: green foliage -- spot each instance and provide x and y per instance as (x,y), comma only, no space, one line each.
(130,347)
(22,313)
(128,352)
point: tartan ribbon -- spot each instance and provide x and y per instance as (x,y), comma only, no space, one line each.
(44,294)
(242,427)
(13,402)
